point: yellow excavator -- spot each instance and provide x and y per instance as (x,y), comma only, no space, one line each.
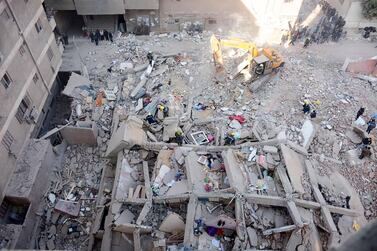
(259,62)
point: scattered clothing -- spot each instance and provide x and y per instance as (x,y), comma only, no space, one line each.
(239,118)
(360,112)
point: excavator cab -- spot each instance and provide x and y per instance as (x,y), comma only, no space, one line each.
(261,65)
(258,62)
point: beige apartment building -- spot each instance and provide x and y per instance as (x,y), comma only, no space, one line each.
(29,62)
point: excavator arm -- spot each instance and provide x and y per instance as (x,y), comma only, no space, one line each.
(217,44)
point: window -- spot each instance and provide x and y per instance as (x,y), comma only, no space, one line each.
(22,108)
(7,140)
(50,55)
(6,80)
(38,25)
(22,49)
(35,78)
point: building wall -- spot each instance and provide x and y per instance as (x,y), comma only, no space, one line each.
(226,13)
(106,22)
(28,64)
(99,7)
(136,18)
(141,4)
(61,4)
(355,19)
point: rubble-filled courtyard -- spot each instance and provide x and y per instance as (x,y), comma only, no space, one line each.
(284,180)
(168,153)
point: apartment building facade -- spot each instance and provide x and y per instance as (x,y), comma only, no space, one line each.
(29,62)
(144,16)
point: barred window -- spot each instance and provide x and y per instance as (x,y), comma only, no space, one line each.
(22,108)
(6,80)
(7,140)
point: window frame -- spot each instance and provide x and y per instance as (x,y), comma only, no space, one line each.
(38,25)
(50,54)
(6,82)
(23,107)
(7,140)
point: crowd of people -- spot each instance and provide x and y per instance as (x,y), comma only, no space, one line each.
(100,35)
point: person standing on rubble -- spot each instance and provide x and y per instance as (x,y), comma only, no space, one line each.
(97,36)
(365,152)
(371,125)
(306,107)
(106,35)
(360,112)
(307,42)
(150,57)
(101,35)
(365,142)
(111,36)
(91,35)
(179,137)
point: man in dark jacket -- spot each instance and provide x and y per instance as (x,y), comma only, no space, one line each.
(360,112)
(371,125)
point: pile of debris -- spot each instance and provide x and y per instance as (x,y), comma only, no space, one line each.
(201,161)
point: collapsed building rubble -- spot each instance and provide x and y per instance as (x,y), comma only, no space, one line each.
(165,155)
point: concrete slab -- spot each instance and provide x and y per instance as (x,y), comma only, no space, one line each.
(233,170)
(295,168)
(124,180)
(352,157)
(68,207)
(308,132)
(129,134)
(170,127)
(195,173)
(179,187)
(173,223)
(75,81)
(80,135)
(353,136)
